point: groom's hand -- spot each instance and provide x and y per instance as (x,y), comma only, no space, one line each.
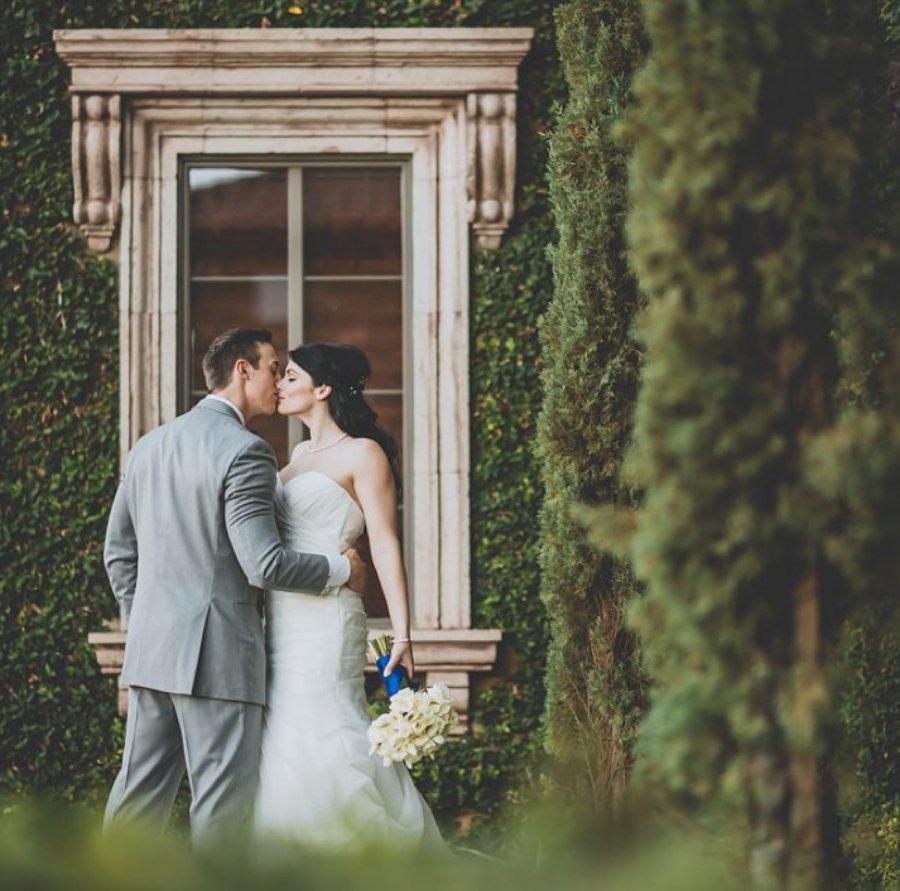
(359,571)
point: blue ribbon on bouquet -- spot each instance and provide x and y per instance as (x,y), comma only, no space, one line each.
(396,680)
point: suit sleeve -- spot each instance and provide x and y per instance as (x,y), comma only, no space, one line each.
(120,552)
(250,522)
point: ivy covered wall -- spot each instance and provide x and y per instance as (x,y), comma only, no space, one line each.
(59,377)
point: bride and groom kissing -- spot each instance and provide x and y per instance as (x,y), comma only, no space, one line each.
(268,720)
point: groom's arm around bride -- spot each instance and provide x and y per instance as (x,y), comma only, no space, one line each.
(249,497)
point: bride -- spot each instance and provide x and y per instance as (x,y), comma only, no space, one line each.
(318,783)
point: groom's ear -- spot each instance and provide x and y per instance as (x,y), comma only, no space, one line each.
(241,370)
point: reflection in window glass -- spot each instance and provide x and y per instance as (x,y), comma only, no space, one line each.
(238,267)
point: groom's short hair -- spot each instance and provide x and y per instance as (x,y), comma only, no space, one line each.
(226,349)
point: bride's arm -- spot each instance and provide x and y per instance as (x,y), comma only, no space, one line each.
(374,486)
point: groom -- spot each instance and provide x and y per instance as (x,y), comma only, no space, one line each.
(191,542)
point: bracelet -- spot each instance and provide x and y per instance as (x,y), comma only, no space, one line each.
(402,640)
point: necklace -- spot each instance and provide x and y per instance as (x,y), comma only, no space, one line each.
(310,449)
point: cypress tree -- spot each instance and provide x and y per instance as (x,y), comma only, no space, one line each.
(590,372)
(749,233)
(858,467)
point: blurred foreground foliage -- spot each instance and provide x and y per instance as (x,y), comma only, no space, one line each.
(52,848)
(763,228)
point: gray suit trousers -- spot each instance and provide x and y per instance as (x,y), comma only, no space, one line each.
(216,740)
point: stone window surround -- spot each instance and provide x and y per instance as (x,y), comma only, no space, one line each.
(442,101)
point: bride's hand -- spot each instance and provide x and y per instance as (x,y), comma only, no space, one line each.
(401,652)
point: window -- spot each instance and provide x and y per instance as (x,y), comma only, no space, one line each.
(311,251)
(303,179)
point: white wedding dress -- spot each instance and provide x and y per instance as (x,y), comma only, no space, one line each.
(318,783)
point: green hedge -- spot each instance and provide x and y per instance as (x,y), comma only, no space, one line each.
(753,235)
(59,379)
(591,368)
(870,713)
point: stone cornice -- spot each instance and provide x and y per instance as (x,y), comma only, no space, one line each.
(286,60)
(115,69)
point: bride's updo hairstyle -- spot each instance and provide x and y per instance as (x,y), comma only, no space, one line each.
(345,369)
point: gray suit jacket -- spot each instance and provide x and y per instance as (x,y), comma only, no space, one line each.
(190,543)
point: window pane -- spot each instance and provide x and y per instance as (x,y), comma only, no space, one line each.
(238,221)
(351,221)
(238,230)
(218,306)
(390,416)
(352,227)
(367,314)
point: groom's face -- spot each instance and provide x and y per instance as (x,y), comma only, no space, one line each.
(260,389)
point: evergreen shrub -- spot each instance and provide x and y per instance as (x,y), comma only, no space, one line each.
(591,366)
(749,182)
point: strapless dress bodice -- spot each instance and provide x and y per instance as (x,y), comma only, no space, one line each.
(316,514)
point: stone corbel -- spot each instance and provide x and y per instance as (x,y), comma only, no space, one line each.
(96,159)
(491,178)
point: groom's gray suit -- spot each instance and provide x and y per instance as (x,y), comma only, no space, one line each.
(191,542)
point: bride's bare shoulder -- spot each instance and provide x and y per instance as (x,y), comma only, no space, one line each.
(367,456)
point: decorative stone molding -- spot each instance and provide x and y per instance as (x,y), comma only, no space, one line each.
(96,167)
(439,102)
(446,657)
(491,180)
(479,64)
(294,61)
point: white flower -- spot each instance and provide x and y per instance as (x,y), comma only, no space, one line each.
(383,722)
(403,700)
(414,728)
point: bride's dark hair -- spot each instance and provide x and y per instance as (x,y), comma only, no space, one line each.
(345,368)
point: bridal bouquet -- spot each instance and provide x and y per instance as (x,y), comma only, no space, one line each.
(418,720)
